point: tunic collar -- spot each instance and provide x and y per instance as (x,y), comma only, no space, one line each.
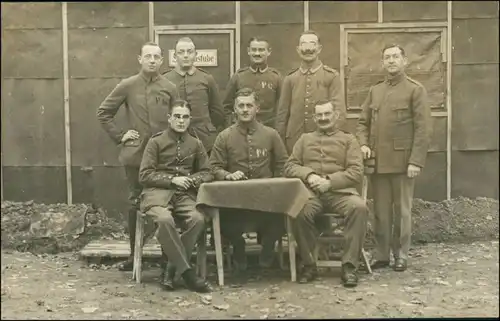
(149,77)
(183,73)
(177,136)
(395,79)
(247,128)
(313,70)
(331,132)
(261,69)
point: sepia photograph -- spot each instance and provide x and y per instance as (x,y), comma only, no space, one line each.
(249,160)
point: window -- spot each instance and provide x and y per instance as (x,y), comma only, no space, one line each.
(425,46)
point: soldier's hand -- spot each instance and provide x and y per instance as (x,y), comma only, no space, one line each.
(130,135)
(413,171)
(182,182)
(366,151)
(323,186)
(313,180)
(236,176)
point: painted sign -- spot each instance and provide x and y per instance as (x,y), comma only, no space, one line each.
(204,58)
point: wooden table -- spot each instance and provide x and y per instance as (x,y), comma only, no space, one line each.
(275,195)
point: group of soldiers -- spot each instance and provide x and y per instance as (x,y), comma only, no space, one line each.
(183,134)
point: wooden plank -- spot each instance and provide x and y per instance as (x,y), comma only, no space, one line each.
(329,264)
(67,129)
(306,15)
(449,129)
(118,249)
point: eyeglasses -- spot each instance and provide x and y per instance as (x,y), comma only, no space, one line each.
(178,117)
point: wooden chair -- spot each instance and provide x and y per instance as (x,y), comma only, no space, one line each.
(330,241)
(332,236)
(201,252)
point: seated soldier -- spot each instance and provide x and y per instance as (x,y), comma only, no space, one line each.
(330,163)
(173,167)
(249,150)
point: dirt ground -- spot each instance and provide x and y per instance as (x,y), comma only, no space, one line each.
(453,273)
(443,280)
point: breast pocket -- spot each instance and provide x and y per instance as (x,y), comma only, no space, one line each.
(163,100)
(402,112)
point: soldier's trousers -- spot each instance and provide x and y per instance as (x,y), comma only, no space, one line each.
(235,222)
(178,247)
(393,196)
(355,212)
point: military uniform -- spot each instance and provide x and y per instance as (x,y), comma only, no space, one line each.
(258,152)
(335,156)
(302,88)
(395,124)
(266,82)
(147,102)
(200,89)
(167,155)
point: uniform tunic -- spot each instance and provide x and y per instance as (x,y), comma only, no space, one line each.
(167,155)
(267,84)
(335,155)
(147,102)
(302,88)
(396,124)
(200,89)
(258,152)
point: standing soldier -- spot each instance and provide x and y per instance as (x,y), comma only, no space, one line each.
(200,90)
(147,98)
(394,130)
(303,87)
(266,81)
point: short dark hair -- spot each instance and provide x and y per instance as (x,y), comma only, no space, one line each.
(310,32)
(394,45)
(181,103)
(150,43)
(321,102)
(186,39)
(246,92)
(259,38)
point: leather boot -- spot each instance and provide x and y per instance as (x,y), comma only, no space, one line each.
(194,283)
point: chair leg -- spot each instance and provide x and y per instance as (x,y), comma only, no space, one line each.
(201,256)
(281,258)
(291,249)
(139,230)
(316,253)
(365,260)
(229,250)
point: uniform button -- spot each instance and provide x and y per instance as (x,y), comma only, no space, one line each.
(305,113)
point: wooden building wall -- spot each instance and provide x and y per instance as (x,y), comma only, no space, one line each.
(103,42)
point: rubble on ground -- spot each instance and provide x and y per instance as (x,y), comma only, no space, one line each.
(17,233)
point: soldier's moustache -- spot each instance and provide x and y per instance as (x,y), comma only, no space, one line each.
(308,52)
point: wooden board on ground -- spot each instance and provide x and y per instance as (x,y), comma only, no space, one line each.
(121,249)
